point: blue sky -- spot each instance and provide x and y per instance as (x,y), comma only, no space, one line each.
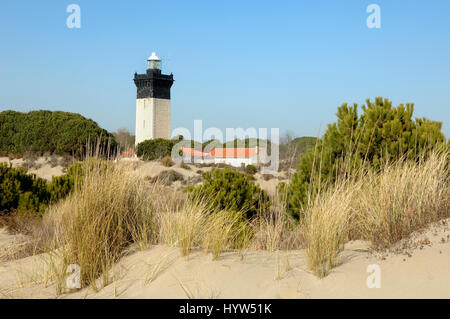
(285,64)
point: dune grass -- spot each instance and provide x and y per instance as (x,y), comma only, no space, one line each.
(226,230)
(195,225)
(275,229)
(403,198)
(380,207)
(99,220)
(115,208)
(326,225)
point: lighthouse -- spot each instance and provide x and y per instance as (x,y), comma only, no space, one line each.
(153,102)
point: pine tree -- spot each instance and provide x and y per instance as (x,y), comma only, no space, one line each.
(381,134)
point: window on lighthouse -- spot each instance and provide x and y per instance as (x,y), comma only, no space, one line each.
(154,62)
(154,65)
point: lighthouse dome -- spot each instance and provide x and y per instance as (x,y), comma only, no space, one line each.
(153,57)
(154,63)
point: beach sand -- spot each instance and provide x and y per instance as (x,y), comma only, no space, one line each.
(418,267)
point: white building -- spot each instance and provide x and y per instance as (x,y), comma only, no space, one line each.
(230,156)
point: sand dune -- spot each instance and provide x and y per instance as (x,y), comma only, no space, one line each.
(418,267)
(43,168)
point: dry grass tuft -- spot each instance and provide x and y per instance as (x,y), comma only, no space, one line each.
(99,220)
(185,166)
(381,207)
(183,227)
(194,225)
(32,237)
(276,230)
(326,224)
(225,230)
(114,208)
(167,161)
(168,177)
(403,198)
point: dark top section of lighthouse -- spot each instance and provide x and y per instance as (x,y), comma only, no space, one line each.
(153,83)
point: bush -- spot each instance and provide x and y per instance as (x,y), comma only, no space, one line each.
(194,179)
(251,177)
(168,177)
(228,189)
(21,191)
(24,192)
(55,132)
(185,166)
(251,169)
(155,149)
(63,185)
(167,161)
(380,135)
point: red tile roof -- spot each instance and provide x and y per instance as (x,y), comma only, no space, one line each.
(193,152)
(234,152)
(238,152)
(128,153)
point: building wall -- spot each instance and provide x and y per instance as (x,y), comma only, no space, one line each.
(152,119)
(236,162)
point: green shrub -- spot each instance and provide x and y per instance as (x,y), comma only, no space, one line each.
(230,190)
(251,169)
(381,134)
(22,191)
(55,132)
(155,149)
(63,185)
(60,187)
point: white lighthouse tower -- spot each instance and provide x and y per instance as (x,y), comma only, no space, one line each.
(153,102)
